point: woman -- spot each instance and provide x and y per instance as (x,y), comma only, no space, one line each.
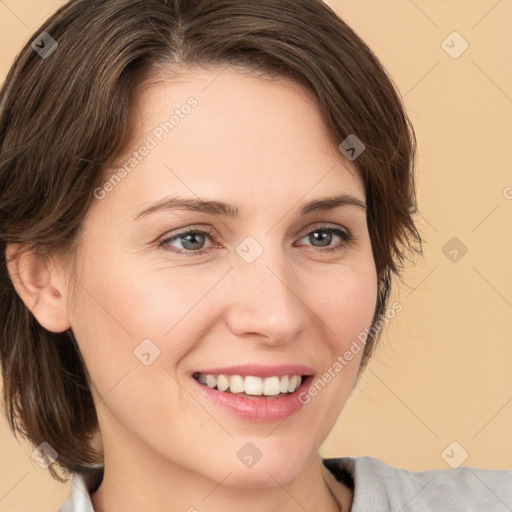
(210,215)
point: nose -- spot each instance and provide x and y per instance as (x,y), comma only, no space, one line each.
(265,300)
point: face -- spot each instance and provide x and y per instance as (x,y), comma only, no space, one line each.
(264,289)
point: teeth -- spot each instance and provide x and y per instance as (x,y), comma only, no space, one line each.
(211,381)
(251,385)
(222,383)
(284,384)
(292,385)
(236,384)
(272,386)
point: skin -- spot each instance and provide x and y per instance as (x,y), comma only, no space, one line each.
(260,145)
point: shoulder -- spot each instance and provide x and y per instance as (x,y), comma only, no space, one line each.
(377,484)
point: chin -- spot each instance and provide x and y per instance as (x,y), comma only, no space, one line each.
(270,466)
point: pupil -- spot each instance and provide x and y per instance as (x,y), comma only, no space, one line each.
(187,238)
(326,239)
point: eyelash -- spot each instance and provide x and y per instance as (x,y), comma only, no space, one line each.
(343,234)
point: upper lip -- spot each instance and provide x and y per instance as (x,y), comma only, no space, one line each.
(257,370)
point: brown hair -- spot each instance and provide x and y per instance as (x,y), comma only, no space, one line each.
(63,118)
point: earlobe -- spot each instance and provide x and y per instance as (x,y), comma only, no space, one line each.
(40,286)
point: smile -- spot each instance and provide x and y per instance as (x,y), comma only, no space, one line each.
(255,393)
(251,385)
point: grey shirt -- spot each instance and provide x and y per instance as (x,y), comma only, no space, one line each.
(378,487)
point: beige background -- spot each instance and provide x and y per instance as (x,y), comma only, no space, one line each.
(442,371)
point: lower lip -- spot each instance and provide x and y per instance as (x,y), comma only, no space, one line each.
(261,410)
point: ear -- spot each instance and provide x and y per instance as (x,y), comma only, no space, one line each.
(40,285)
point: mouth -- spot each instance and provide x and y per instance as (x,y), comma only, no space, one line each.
(255,393)
(252,386)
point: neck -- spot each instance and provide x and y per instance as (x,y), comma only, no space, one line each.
(135,481)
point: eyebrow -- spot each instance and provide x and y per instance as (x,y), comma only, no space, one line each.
(225,209)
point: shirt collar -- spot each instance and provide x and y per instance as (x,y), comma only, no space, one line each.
(82,487)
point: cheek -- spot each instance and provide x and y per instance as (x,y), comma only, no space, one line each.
(345,301)
(125,311)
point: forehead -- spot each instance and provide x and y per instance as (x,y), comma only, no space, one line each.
(245,137)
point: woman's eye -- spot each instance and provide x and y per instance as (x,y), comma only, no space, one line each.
(324,237)
(192,242)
